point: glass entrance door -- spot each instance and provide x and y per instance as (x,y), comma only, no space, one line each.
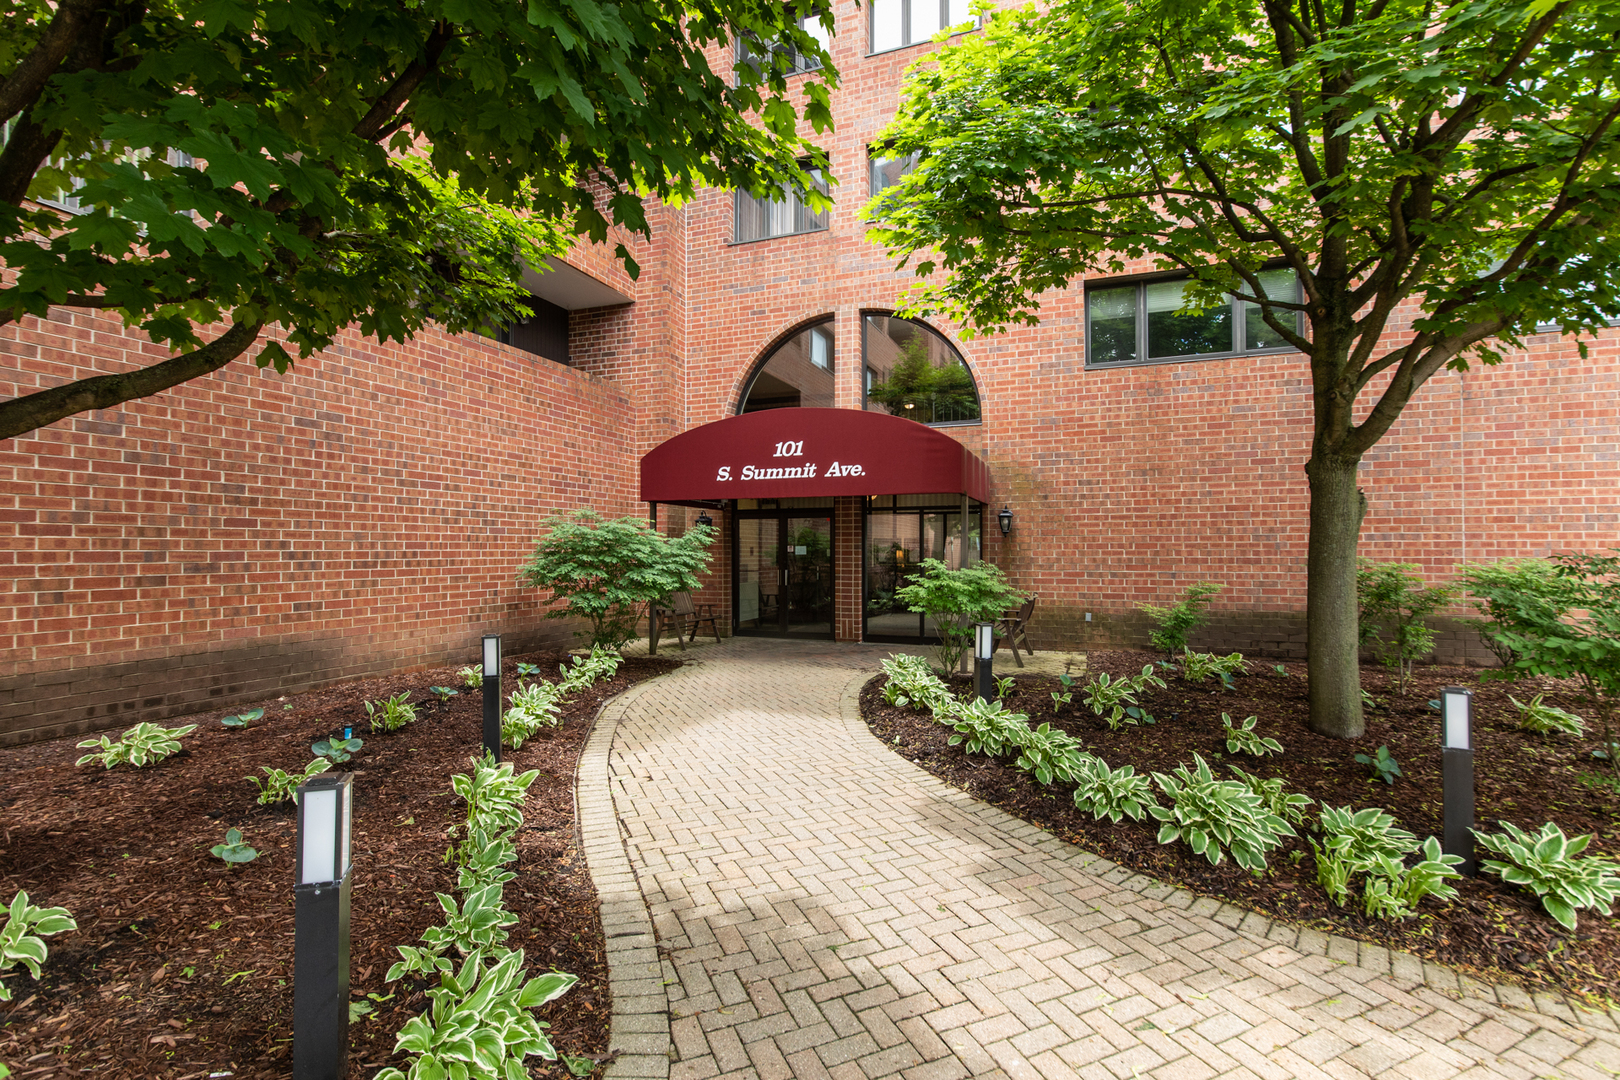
(784,583)
(896,542)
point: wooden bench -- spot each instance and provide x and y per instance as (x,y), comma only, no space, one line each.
(1012,628)
(678,613)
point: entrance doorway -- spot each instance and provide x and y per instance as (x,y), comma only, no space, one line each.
(784,573)
(899,537)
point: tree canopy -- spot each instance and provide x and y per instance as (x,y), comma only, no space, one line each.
(317,164)
(1441,179)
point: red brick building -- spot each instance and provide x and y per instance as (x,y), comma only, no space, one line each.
(249,534)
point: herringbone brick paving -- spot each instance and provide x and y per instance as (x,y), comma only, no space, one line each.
(785,897)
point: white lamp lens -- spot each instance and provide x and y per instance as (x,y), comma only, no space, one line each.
(319,837)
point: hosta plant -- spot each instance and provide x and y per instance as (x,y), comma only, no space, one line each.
(1550,865)
(1288,805)
(1215,816)
(1393,890)
(337,750)
(480,921)
(242,720)
(1050,754)
(141,745)
(1382,765)
(586,671)
(443,693)
(912,684)
(472,677)
(487,855)
(480,1026)
(533,708)
(1357,842)
(1243,739)
(278,786)
(1112,793)
(1198,668)
(391,714)
(494,796)
(234,849)
(1115,699)
(1546,719)
(22,938)
(987,727)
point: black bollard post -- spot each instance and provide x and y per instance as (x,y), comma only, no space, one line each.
(984,650)
(1457,776)
(321,929)
(492,696)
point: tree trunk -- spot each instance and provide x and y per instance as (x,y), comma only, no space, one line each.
(1332,642)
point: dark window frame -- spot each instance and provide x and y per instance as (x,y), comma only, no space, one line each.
(868,372)
(798,63)
(907,41)
(1142,359)
(801,213)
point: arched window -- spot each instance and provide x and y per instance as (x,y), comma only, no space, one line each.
(912,371)
(796,374)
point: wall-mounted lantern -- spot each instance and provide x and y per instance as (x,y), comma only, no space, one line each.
(704,519)
(1005,518)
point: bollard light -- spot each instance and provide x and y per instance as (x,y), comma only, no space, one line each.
(492,696)
(984,649)
(1457,775)
(322,876)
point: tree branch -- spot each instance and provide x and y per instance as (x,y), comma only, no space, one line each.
(22,87)
(383,110)
(21,415)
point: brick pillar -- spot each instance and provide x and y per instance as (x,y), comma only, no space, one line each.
(847,524)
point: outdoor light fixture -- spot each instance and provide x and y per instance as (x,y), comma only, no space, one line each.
(704,519)
(984,648)
(492,696)
(321,928)
(1005,518)
(1457,775)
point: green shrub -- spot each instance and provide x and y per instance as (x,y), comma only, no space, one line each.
(1516,596)
(607,571)
(1112,793)
(1546,719)
(956,599)
(1393,608)
(1393,891)
(391,714)
(278,786)
(1178,620)
(1217,816)
(1550,865)
(912,684)
(22,938)
(141,745)
(1245,740)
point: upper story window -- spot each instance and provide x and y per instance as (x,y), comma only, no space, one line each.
(796,374)
(898,23)
(761,219)
(542,329)
(1144,322)
(887,171)
(750,51)
(912,371)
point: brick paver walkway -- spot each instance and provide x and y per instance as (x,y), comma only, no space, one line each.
(820,907)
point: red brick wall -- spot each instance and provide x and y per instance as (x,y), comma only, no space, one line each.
(251,533)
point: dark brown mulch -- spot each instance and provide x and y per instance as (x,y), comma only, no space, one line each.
(1492,929)
(182,965)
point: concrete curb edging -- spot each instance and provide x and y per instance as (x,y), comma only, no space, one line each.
(639,1031)
(1405,971)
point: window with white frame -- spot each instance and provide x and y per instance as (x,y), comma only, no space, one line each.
(1144,322)
(898,23)
(750,51)
(761,219)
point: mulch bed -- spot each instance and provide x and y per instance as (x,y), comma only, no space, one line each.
(1493,930)
(182,965)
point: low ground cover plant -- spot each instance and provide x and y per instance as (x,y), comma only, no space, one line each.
(336,749)
(1291,806)
(531,709)
(22,938)
(1115,700)
(391,714)
(912,684)
(1215,817)
(1381,764)
(1052,754)
(1547,719)
(1551,865)
(278,786)
(140,746)
(1112,793)
(1243,739)
(242,720)
(1198,668)
(234,849)
(472,677)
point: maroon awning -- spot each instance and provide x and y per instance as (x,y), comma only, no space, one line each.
(793,453)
